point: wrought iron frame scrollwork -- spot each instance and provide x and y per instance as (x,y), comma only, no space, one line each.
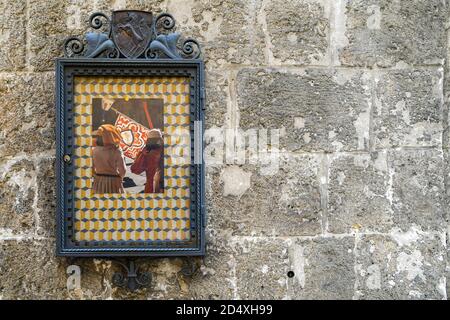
(131,277)
(163,44)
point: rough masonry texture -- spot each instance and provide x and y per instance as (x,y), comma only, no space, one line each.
(357,204)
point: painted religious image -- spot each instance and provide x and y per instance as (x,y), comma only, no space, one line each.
(129,184)
(128,145)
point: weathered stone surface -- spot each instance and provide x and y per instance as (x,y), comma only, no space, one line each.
(227,30)
(384,32)
(405,265)
(287,203)
(48,31)
(418,188)
(408,108)
(377,191)
(28,113)
(12,35)
(447,274)
(358,193)
(51,22)
(46,196)
(17,195)
(29,270)
(298,31)
(94,282)
(156,6)
(261,268)
(362,151)
(323,268)
(321,110)
(217,98)
(215,278)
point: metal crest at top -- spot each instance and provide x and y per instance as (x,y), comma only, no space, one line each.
(132,34)
(131,31)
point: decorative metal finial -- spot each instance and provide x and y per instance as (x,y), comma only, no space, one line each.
(132,34)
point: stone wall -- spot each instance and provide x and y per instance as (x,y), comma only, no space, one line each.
(358,206)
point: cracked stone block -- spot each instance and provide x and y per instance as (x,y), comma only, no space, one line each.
(227,31)
(385,32)
(358,193)
(418,188)
(284,203)
(12,35)
(322,268)
(261,268)
(28,113)
(408,108)
(17,195)
(298,30)
(318,109)
(404,265)
(29,270)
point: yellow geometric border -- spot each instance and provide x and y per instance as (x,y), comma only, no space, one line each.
(132,217)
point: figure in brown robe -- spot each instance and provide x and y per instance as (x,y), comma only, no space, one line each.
(108,162)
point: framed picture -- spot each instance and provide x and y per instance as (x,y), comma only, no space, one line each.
(130,172)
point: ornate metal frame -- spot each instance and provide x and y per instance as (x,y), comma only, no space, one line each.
(102,57)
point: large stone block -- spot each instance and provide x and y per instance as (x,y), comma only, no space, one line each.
(271,268)
(29,270)
(17,196)
(12,35)
(378,191)
(323,268)
(298,31)
(227,30)
(286,203)
(320,109)
(358,193)
(261,268)
(28,113)
(385,32)
(408,108)
(405,265)
(418,188)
